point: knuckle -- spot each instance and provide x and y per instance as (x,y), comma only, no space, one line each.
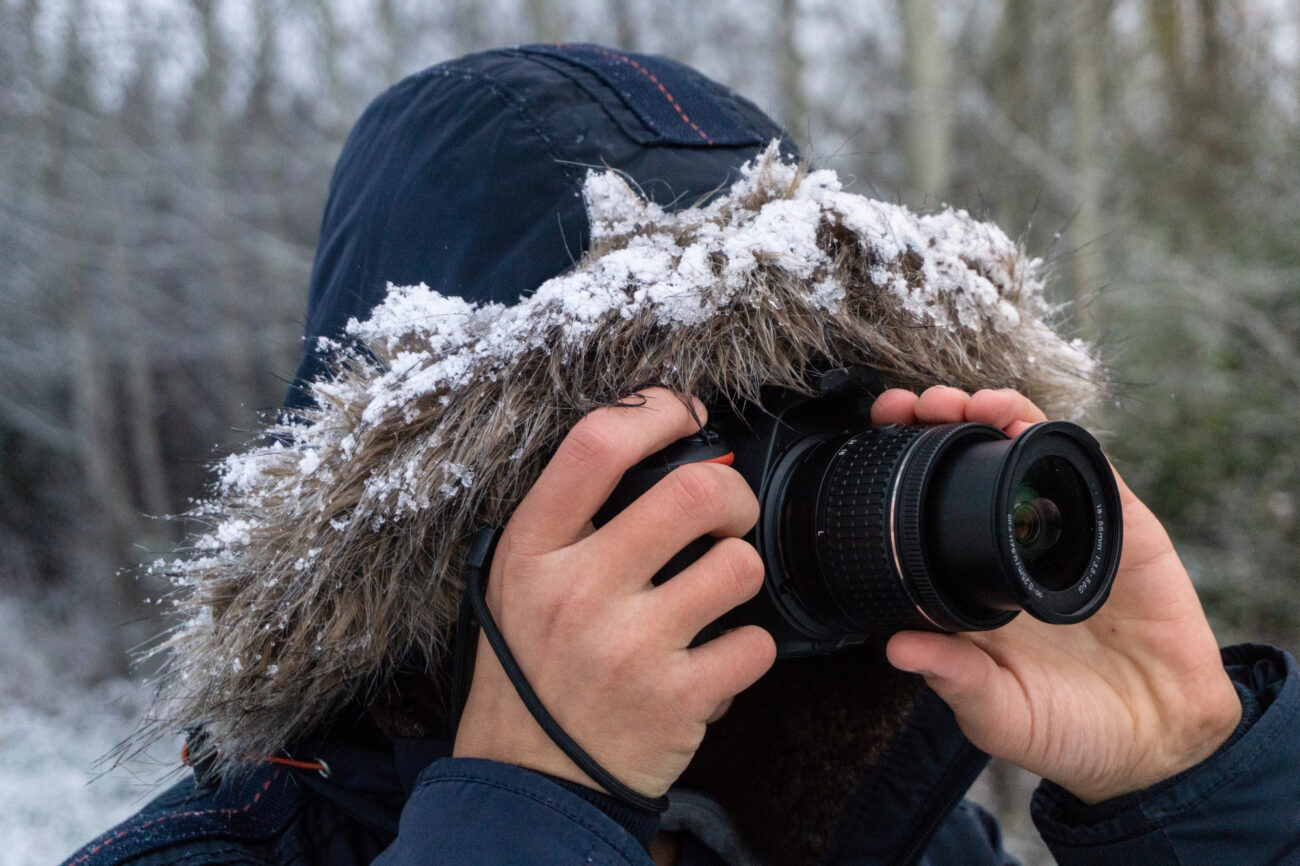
(988,399)
(697,489)
(710,490)
(592,441)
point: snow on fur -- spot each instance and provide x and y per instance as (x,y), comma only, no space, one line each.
(331,561)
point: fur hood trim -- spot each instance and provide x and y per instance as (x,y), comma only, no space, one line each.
(332,557)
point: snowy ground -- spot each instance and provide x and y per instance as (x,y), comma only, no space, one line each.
(54,794)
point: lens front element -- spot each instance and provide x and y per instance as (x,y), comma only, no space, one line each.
(1054,525)
(1038,522)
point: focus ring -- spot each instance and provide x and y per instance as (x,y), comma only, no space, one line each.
(857,550)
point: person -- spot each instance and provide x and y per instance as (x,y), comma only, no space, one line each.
(315,678)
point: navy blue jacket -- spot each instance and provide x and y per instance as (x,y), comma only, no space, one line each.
(466,177)
(1240,806)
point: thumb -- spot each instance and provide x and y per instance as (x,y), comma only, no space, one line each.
(966,678)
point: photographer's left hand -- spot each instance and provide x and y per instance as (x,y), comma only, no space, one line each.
(1125,699)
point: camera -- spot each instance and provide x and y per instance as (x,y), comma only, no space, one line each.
(865,531)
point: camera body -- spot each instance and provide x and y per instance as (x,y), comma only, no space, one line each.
(866,531)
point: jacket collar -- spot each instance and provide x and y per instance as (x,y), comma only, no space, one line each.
(887,821)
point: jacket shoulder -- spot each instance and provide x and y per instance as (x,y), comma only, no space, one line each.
(240,821)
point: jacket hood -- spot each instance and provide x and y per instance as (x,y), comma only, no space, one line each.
(333,549)
(466,176)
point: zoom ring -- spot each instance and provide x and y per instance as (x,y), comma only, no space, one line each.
(857,552)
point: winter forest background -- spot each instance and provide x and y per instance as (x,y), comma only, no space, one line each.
(163,165)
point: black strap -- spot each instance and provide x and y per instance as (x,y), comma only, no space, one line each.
(476,563)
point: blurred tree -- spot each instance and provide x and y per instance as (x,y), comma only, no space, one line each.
(793,113)
(928,129)
(161,185)
(1088,46)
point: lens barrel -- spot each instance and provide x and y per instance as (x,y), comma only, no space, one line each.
(952,528)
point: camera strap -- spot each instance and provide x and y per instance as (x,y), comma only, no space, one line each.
(477,562)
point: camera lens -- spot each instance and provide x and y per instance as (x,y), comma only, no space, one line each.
(1052,520)
(1037,523)
(952,528)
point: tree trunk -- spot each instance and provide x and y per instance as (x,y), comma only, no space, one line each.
(929,106)
(1087,46)
(794,102)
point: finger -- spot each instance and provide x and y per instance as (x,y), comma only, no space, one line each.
(729,574)
(941,656)
(1002,408)
(964,675)
(691,501)
(942,405)
(727,665)
(591,460)
(895,406)
(1015,428)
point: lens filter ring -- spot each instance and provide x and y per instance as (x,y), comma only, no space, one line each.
(1067,580)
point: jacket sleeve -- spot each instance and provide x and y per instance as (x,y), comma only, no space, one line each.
(468,810)
(1241,805)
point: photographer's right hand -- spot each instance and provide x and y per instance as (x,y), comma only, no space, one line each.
(1132,696)
(607,652)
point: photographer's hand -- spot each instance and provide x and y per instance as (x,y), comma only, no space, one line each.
(1111,705)
(606,651)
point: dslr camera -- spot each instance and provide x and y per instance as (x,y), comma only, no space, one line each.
(865,531)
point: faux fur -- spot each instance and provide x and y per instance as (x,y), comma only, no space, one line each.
(332,556)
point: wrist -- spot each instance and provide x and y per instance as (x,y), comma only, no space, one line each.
(1201,728)
(498,727)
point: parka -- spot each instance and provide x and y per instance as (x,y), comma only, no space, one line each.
(507,244)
